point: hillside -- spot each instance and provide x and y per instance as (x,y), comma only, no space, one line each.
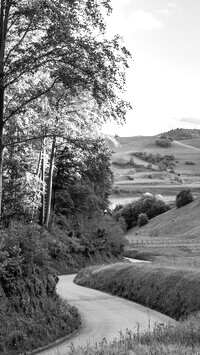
(133,175)
(173,235)
(183,133)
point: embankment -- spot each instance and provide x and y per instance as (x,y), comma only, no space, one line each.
(174,292)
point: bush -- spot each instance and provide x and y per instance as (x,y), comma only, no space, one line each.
(148,203)
(142,219)
(165,143)
(189,162)
(184,197)
(103,233)
(122,223)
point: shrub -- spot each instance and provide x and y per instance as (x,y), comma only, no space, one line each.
(184,197)
(189,162)
(142,219)
(122,223)
(117,207)
(165,143)
(103,233)
(148,203)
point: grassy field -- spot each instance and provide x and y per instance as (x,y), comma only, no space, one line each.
(132,181)
(192,142)
(170,237)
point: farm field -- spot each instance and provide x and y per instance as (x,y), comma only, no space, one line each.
(170,238)
(133,178)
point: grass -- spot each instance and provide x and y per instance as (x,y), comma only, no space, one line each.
(180,339)
(172,236)
(167,183)
(172,291)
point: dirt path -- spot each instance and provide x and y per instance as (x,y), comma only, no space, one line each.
(102,315)
(187,146)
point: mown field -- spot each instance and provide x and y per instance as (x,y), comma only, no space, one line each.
(172,237)
(132,181)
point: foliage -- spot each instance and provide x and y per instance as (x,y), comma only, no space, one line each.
(102,233)
(142,219)
(30,307)
(122,223)
(171,291)
(83,178)
(155,158)
(190,162)
(184,197)
(149,204)
(165,339)
(164,143)
(183,133)
(59,71)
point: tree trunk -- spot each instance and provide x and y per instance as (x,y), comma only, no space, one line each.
(2,46)
(43,168)
(50,180)
(1,177)
(1,147)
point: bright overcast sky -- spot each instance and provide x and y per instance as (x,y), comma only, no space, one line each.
(164,80)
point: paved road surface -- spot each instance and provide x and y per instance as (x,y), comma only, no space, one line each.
(102,315)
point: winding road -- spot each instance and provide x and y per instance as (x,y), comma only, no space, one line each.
(103,315)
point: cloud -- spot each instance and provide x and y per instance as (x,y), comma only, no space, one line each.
(164,12)
(174,6)
(143,20)
(186,122)
(190,120)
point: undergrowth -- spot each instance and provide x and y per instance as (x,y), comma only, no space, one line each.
(174,292)
(182,338)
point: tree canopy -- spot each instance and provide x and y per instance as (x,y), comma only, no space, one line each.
(58,73)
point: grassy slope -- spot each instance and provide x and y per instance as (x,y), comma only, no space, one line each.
(178,222)
(174,292)
(133,182)
(172,236)
(181,151)
(192,142)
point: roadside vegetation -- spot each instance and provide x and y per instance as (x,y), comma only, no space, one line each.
(182,338)
(60,80)
(172,291)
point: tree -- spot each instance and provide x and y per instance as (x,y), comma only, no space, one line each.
(45,43)
(82,179)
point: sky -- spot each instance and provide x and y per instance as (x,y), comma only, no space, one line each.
(163,82)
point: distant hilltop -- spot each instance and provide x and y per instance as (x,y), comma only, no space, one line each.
(181,133)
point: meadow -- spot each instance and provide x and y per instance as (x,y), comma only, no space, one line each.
(131,180)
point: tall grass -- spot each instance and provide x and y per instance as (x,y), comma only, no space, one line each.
(172,291)
(182,338)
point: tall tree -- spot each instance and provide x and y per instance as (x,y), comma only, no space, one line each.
(47,42)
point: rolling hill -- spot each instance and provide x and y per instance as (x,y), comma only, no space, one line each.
(133,175)
(173,236)
(183,133)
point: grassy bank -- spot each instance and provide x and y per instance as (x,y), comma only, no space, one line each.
(182,339)
(172,237)
(174,292)
(32,315)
